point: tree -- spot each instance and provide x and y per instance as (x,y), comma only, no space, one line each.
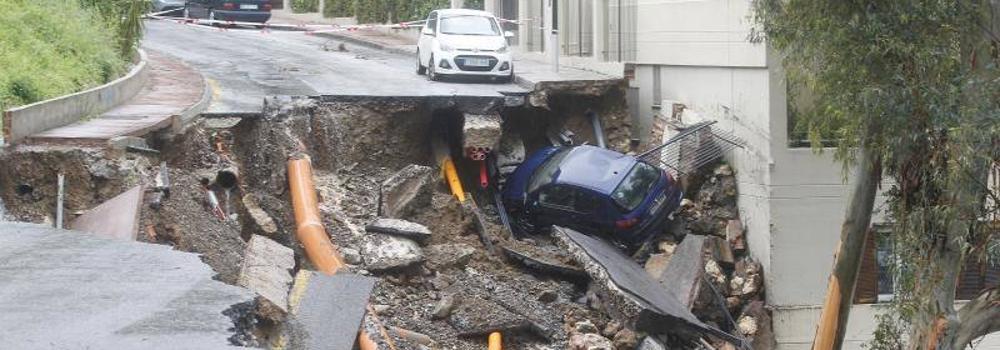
(911,91)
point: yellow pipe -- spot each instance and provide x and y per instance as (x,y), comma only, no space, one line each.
(496,341)
(451,175)
(310,231)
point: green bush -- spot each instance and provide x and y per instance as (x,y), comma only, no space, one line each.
(338,8)
(304,6)
(50,48)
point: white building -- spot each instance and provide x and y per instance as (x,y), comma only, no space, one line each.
(697,52)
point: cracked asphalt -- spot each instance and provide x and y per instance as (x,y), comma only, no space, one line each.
(243,65)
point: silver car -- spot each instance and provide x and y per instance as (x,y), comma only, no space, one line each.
(166,5)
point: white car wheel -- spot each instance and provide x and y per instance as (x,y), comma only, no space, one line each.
(432,70)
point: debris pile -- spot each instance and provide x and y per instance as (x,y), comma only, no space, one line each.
(426,256)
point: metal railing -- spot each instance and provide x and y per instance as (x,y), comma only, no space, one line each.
(694,147)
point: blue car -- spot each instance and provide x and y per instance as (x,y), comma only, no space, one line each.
(592,190)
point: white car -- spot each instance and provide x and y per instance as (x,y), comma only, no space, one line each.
(464,42)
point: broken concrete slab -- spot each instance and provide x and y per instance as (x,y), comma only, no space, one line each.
(481,133)
(477,316)
(590,341)
(629,292)
(683,276)
(406,190)
(80,291)
(657,264)
(543,263)
(401,228)
(384,252)
(266,270)
(117,218)
(326,311)
(259,217)
(443,256)
(650,343)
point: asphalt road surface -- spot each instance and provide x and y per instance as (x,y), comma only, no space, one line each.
(244,65)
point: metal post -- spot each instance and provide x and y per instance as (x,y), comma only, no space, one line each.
(59,201)
(552,28)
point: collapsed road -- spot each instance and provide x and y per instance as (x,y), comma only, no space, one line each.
(403,181)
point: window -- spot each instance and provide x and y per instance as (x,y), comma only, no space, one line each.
(558,196)
(469,25)
(636,185)
(876,279)
(547,171)
(587,202)
(432,21)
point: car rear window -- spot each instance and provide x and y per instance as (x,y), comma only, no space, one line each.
(636,185)
(469,25)
(547,171)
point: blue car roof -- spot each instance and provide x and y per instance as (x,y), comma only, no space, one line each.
(595,168)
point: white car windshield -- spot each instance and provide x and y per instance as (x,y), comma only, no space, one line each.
(469,25)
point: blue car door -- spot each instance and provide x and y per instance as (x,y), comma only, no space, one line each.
(556,206)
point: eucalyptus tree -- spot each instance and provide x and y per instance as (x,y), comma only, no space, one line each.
(910,90)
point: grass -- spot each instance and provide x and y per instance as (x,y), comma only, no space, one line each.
(50,48)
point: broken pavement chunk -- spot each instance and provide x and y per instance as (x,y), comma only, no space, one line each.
(260,218)
(402,228)
(630,292)
(589,341)
(406,190)
(383,252)
(443,308)
(326,311)
(480,134)
(116,218)
(477,316)
(265,270)
(682,277)
(442,256)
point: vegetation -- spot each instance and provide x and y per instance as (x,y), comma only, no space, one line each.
(911,90)
(53,47)
(304,6)
(394,11)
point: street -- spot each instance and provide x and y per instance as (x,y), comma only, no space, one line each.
(244,65)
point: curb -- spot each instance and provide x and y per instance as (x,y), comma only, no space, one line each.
(68,109)
(184,119)
(368,43)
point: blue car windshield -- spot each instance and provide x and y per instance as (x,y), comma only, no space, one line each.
(547,171)
(469,25)
(635,187)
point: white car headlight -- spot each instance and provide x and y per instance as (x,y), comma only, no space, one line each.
(446,47)
(503,49)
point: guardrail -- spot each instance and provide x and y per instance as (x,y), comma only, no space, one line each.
(22,122)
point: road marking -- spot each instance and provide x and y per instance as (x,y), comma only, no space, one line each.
(216,90)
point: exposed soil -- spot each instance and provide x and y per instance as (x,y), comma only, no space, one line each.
(355,145)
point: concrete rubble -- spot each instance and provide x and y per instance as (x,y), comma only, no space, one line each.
(385,252)
(266,270)
(400,228)
(413,253)
(406,191)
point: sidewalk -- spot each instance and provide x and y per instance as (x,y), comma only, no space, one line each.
(174,91)
(531,68)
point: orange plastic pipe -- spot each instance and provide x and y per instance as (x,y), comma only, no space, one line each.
(496,341)
(309,227)
(309,230)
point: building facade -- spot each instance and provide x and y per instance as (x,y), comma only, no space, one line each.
(697,52)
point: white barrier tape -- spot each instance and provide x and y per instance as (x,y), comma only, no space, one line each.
(335,27)
(161,13)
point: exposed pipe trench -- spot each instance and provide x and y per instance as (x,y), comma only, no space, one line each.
(309,227)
